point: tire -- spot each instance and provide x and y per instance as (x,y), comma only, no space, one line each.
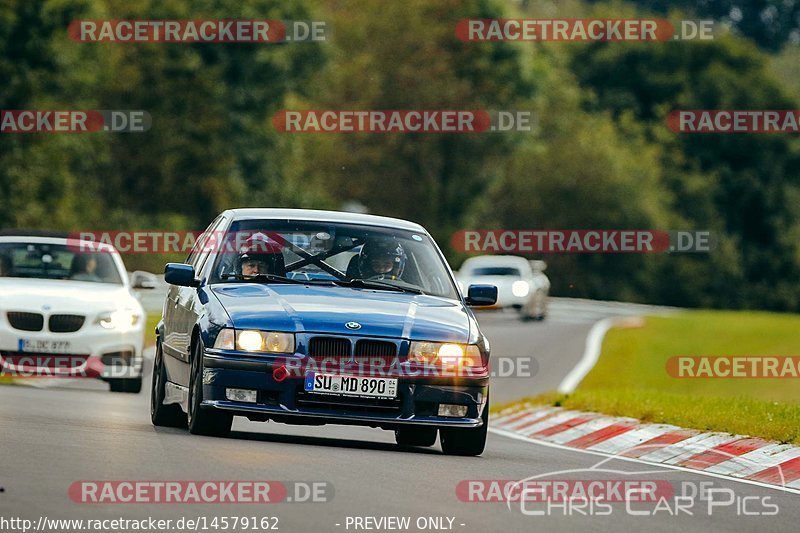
(160,414)
(466,441)
(416,436)
(536,309)
(130,385)
(203,421)
(134,385)
(542,308)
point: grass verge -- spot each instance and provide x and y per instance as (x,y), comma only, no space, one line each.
(630,379)
(149,329)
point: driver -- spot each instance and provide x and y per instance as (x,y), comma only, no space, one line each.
(381,259)
(260,255)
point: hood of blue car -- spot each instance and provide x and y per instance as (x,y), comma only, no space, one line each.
(312,309)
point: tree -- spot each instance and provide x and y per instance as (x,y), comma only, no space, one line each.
(771,24)
(395,56)
(741,185)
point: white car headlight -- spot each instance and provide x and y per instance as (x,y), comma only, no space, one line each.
(444,352)
(520,288)
(119,319)
(249,340)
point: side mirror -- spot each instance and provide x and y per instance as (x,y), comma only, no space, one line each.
(180,274)
(143,280)
(478,295)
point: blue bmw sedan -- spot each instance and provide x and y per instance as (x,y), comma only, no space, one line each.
(319,317)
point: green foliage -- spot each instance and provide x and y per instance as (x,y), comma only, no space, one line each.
(393,56)
(600,155)
(207,149)
(742,186)
(771,24)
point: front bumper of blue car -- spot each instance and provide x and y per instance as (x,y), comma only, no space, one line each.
(284,399)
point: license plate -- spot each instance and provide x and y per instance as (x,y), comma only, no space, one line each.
(351,385)
(43,346)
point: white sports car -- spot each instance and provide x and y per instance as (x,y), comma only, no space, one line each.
(68,312)
(521,284)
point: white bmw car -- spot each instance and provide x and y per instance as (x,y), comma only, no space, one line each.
(521,284)
(68,312)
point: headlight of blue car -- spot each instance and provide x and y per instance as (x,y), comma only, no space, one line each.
(255,341)
(425,352)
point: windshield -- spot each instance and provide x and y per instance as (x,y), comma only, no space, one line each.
(56,261)
(496,271)
(331,253)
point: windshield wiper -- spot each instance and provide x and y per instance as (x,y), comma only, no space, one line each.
(379,285)
(275,279)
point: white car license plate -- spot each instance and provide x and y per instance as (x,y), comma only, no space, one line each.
(43,346)
(351,385)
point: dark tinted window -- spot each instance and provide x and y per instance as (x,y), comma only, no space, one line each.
(496,271)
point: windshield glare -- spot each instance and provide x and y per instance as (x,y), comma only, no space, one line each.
(341,253)
(56,261)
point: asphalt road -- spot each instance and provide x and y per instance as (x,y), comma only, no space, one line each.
(54,436)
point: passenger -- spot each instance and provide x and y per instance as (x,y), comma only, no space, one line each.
(84,268)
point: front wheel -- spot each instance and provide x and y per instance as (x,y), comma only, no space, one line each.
(131,385)
(163,415)
(204,421)
(413,436)
(535,309)
(542,308)
(466,441)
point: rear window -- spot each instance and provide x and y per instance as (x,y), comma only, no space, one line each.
(496,271)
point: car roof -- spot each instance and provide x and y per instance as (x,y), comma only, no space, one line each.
(33,239)
(322,216)
(17,232)
(63,241)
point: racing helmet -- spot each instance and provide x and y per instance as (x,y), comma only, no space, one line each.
(260,248)
(384,258)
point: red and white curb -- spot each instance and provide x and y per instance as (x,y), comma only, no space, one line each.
(739,457)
